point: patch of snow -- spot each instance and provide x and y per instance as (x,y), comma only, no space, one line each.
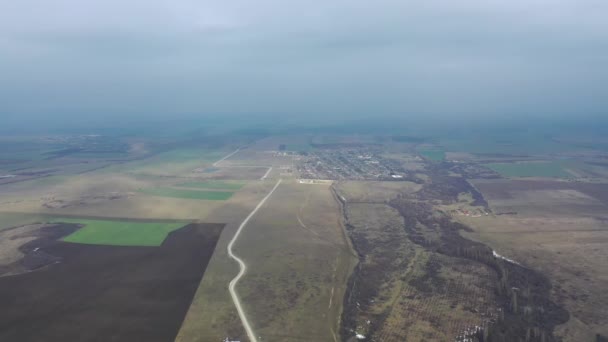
(496,255)
(360,337)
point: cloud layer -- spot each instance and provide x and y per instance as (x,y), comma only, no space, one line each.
(469,58)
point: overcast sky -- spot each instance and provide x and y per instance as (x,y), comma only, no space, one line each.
(431,58)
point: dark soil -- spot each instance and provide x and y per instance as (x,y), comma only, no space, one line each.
(108,293)
(504,189)
(34,255)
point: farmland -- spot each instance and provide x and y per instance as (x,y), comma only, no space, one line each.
(392,244)
(119,233)
(114,292)
(109,220)
(213,185)
(532,169)
(308,284)
(558,227)
(433,155)
(298,261)
(189,194)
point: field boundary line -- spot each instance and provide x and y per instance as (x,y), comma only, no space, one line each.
(243,267)
(226,157)
(266,174)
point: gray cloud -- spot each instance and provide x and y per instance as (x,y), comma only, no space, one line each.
(436,57)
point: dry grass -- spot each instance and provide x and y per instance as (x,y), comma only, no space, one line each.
(12,239)
(545,198)
(371,191)
(420,295)
(298,263)
(564,234)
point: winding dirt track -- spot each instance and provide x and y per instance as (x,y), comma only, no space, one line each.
(243,267)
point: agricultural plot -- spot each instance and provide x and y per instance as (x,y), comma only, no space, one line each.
(505,143)
(213,185)
(228,172)
(298,261)
(560,228)
(532,169)
(299,147)
(291,143)
(189,194)
(176,162)
(120,233)
(433,155)
(11,220)
(545,198)
(372,191)
(107,293)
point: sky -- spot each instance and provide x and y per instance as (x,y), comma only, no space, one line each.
(434,59)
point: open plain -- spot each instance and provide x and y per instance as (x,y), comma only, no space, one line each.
(561,229)
(107,293)
(362,239)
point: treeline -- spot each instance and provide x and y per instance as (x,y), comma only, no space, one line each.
(527,311)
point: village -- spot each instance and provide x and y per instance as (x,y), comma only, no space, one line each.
(350,164)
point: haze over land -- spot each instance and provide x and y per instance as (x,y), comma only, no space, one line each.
(473,59)
(336,171)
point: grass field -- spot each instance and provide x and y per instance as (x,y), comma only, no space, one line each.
(402,291)
(299,147)
(532,169)
(213,185)
(10,220)
(120,233)
(174,162)
(433,155)
(560,228)
(189,194)
(298,263)
(108,293)
(372,191)
(508,142)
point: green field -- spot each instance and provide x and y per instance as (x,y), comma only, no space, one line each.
(433,155)
(189,194)
(120,233)
(174,162)
(298,147)
(10,220)
(537,169)
(213,185)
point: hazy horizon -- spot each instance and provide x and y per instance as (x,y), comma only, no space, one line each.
(159,60)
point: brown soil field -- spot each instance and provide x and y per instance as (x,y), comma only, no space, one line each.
(504,189)
(560,229)
(545,198)
(374,191)
(107,293)
(21,248)
(239,172)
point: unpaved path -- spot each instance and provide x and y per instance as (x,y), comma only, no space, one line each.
(226,157)
(243,267)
